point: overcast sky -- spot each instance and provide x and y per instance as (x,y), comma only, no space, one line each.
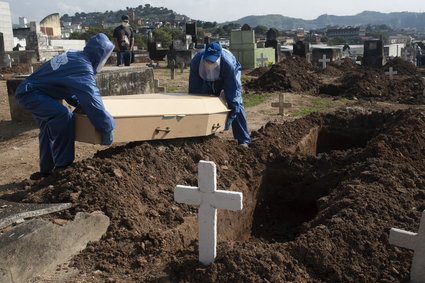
(217,10)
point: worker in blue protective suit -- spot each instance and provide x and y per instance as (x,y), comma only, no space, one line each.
(69,76)
(215,69)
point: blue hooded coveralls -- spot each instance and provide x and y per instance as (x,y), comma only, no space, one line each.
(230,82)
(69,76)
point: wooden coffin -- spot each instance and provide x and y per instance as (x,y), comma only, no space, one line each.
(157,116)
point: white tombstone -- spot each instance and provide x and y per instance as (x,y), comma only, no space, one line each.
(262,60)
(209,200)
(391,73)
(324,61)
(415,242)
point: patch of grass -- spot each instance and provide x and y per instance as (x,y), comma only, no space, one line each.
(250,99)
(244,80)
(319,105)
(305,110)
(323,103)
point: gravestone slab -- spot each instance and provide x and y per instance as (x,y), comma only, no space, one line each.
(38,246)
(11,212)
(391,73)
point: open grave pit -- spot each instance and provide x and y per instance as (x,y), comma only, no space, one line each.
(320,194)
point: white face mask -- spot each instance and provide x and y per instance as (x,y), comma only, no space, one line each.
(209,71)
(125,24)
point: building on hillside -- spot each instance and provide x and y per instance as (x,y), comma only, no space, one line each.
(346,32)
(400,38)
(67,28)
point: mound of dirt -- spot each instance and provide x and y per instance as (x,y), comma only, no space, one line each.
(320,194)
(257,72)
(373,84)
(293,74)
(401,66)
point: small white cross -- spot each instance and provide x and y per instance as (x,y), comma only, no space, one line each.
(281,104)
(8,61)
(391,73)
(324,61)
(209,200)
(416,242)
(262,60)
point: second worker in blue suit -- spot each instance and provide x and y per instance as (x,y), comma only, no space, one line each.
(70,76)
(215,69)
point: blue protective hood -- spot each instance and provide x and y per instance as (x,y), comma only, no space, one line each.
(98,48)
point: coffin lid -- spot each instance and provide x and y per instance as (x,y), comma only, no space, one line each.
(160,104)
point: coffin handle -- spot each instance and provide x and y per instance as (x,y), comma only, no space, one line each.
(158,129)
(215,127)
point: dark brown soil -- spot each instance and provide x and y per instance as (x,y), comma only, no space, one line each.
(401,66)
(373,84)
(320,194)
(292,74)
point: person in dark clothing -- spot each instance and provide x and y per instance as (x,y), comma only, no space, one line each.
(124,42)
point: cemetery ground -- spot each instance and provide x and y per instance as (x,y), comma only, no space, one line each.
(321,191)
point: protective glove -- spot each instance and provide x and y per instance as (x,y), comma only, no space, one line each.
(107,138)
(229,122)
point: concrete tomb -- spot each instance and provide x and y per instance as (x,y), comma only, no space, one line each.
(281,104)
(37,246)
(330,54)
(262,60)
(301,49)
(157,116)
(415,242)
(12,212)
(209,200)
(324,60)
(391,73)
(244,47)
(373,54)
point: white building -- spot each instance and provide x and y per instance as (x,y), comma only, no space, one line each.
(23,22)
(6,26)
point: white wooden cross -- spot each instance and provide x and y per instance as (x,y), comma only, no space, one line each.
(391,73)
(8,61)
(262,60)
(416,242)
(324,61)
(281,104)
(209,200)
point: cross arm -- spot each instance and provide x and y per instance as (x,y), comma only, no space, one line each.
(403,238)
(228,200)
(187,195)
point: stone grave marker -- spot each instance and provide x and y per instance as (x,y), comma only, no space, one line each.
(391,73)
(324,61)
(209,200)
(11,212)
(173,69)
(262,60)
(281,104)
(7,60)
(415,242)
